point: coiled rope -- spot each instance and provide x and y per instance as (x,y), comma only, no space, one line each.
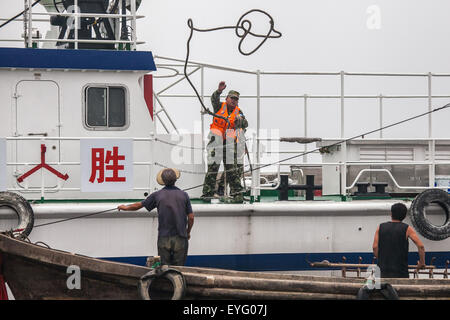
(243,25)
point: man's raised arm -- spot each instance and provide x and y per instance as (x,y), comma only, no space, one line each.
(215,97)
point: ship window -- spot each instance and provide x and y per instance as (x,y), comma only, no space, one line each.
(106,107)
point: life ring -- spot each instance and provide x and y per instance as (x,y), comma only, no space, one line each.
(418,214)
(388,292)
(23,209)
(168,275)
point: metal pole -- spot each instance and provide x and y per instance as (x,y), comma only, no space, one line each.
(258,128)
(305,121)
(117,28)
(343,168)
(254,189)
(76,24)
(178,81)
(202,116)
(152,159)
(432,166)
(343,145)
(342,104)
(164,110)
(381,115)
(432,143)
(133,23)
(154,112)
(42,175)
(162,123)
(30,25)
(123,24)
(25,23)
(430,107)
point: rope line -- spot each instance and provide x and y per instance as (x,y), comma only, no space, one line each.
(73,218)
(242,25)
(19,14)
(195,172)
(199,148)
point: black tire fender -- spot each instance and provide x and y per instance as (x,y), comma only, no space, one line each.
(174,276)
(418,214)
(23,209)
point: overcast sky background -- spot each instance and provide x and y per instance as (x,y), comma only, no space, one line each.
(321,35)
(405,36)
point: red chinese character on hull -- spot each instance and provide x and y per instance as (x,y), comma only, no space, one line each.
(43,165)
(100,164)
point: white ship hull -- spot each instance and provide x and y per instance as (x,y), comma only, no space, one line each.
(281,236)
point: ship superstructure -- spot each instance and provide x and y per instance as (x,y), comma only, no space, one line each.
(80,134)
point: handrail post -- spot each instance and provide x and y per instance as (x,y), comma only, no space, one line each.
(133,23)
(343,168)
(430,106)
(258,128)
(202,117)
(381,114)
(25,24)
(29,33)
(305,115)
(432,166)
(76,24)
(42,175)
(342,75)
(343,145)
(254,185)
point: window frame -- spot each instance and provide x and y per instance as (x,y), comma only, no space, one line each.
(85,107)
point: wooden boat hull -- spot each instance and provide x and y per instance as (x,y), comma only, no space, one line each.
(36,272)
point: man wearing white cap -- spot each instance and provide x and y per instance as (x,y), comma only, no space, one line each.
(175,217)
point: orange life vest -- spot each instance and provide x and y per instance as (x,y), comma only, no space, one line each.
(219,126)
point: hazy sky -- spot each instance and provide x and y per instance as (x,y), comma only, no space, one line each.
(318,35)
(327,35)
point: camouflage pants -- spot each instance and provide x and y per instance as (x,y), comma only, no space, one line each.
(221,187)
(219,151)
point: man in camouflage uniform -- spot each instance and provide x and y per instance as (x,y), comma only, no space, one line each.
(224,144)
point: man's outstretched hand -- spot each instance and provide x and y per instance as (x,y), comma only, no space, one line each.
(222,86)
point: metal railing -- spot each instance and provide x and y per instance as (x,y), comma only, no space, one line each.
(29,16)
(359,268)
(255,187)
(306,98)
